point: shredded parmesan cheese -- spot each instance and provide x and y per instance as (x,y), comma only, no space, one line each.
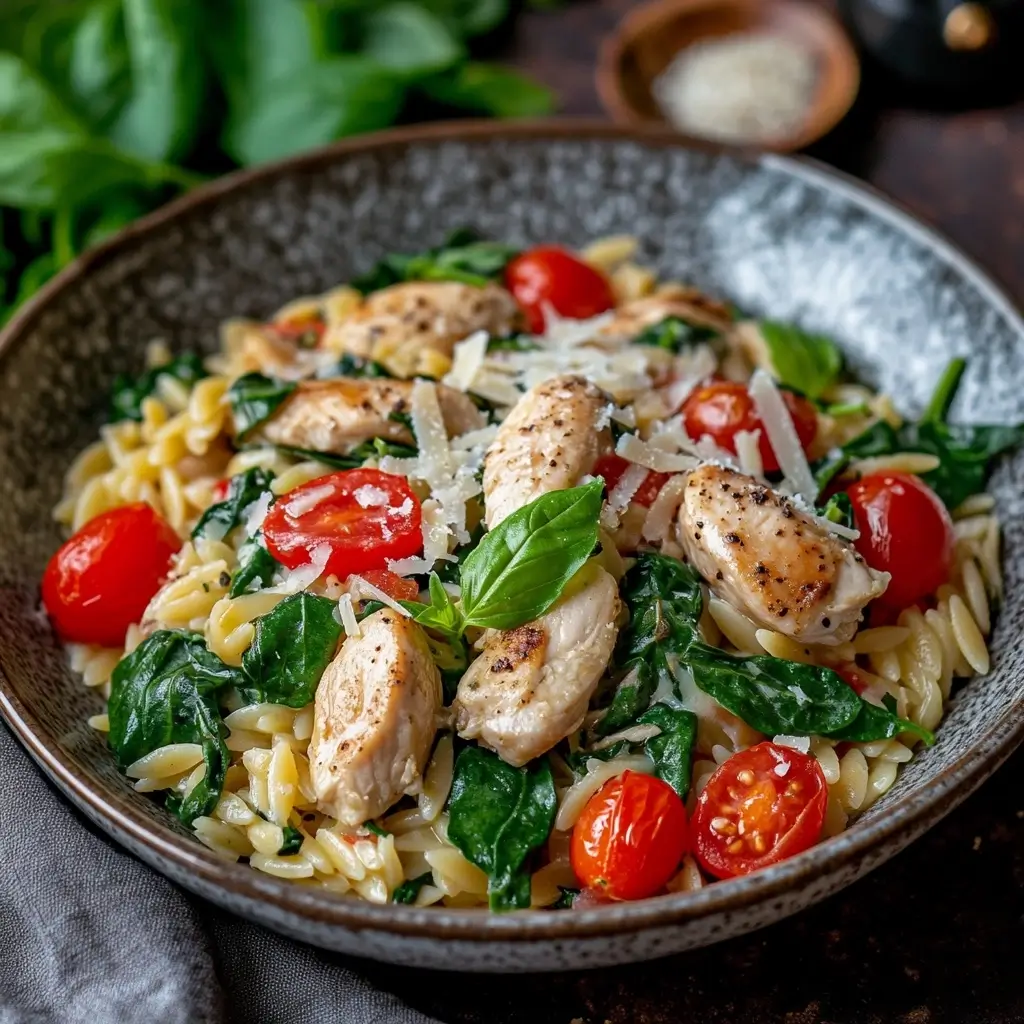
(256,512)
(621,495)
(360,589)
(748,451)
(643,453)
(347,616)
(661,513)
(467,359)
(307,501)
(782,436)
(369,496)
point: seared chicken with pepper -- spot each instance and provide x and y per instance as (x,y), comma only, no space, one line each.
(686,303)
(760,553)
(338,415)
(531,685)
(550,439)
(374,719)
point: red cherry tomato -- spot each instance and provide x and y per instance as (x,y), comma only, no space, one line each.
(554,276)
(395,586)
(724,408)
(305,330)
(630,838)
(852,678)
(220,489)
(100,581)
(611,467)
(905,530)
(763,805)
(363,516)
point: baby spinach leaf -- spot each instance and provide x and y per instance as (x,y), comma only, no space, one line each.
(498,815)
(838,509)
(880,723)
(672,750)
(292,841)
(355,366)
(810,363)
(410,889)
(675,334)
(294,644)
(256,567)
(489,89)
(221,518)
(375,449)
(407,38)
(464,257)
(254,399)
(512,343)
(164,692)
(520,568)
(127,393)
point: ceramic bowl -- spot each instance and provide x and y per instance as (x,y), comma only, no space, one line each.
(774,235)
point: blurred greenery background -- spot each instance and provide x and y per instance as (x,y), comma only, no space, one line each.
(109,108)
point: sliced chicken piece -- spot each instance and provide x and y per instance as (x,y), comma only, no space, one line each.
(531,686)
(340,414)
(686,303)
(776,564)
(399,321)
(374,719)
(548,442)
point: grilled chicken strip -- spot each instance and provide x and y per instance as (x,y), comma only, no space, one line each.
(423,314)
(374,719)
(548,442)
(686,303)
(763,555)
(531,686)
(340,414)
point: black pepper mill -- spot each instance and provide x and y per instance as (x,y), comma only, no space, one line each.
(968,52)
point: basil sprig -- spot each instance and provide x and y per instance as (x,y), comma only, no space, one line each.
(254,398)
(497,816)
(164,692)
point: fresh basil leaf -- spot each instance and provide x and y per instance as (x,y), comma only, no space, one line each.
(99,69)
(489,89)
(672,750)
(675,334)
(292,841)
(470,17)
(254,399)
(110,214)
(34,276)
(314,105)
(407,38)
(442,614)
(293,645)
(521,567)
(256,567)
(497,816)
(409,890)
(810,363)
(839,509)
(28,104)
(164,692)
(127,394)
(243,489)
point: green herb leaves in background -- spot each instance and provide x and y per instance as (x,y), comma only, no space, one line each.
(497,816)
(110,107)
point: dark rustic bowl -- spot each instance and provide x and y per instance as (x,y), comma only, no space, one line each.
(776,236)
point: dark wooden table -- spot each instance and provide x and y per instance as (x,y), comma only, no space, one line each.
(936,935)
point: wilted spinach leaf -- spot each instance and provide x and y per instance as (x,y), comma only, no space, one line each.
(127,394)
(375,449)
(498,815)
(839,509)
(410,889)
(671,750)
(292,841)
(254,399)
(221,518)
(256,567)
(674,334)
(355,366)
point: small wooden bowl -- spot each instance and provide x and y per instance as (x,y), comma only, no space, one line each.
(648,39)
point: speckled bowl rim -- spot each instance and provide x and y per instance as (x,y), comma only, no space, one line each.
(905,819)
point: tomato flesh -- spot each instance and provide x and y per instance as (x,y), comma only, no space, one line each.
(906,531)
(553,276)
(100,580)
(305,330)
(761,806)
(362,516)
(395,586)
(611,467)
(630,838)
(722,409)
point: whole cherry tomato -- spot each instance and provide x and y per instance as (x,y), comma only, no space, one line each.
(630,838)
(553,276)
(611,467)
(722,409)
(761,806)
(362,516)
(99,582)
(905,530)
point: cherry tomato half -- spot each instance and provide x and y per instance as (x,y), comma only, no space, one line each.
(722,409)
(905,530)
(395,586)
(630,838)
(763,805)
(554,276)
(363,516)
(611,467)
(99,582)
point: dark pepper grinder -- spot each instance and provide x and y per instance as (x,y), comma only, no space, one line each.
(965,52)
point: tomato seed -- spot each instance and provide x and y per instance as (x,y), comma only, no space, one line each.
(723,825)
(746,777)
(735,846)
(758,843)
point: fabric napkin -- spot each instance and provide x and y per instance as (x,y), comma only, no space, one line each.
(90,935)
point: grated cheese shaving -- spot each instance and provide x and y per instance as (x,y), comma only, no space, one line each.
(663,509)
(255,513)
(291,581)
(644,453)
(748,451)
(782,436)
(360,589)
(693,370)
(622,494)
(307,501)
(467,359)
(369,496)
(346,615)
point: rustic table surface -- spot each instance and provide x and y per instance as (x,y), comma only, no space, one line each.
(936,934)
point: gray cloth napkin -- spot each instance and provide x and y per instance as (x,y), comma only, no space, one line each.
(90,935)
